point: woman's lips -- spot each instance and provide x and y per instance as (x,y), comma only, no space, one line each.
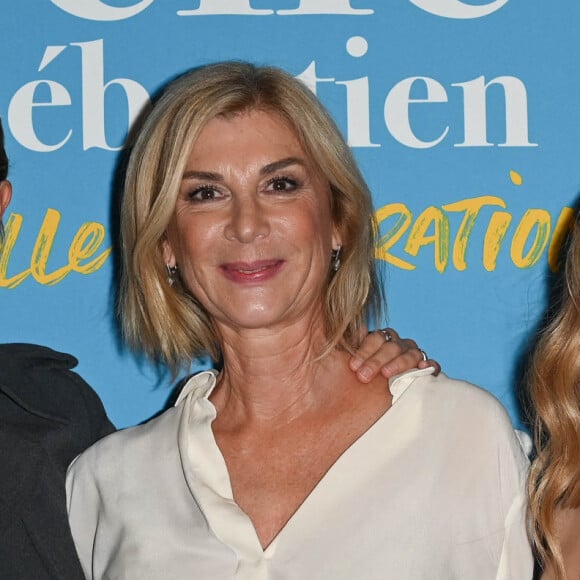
(244,272)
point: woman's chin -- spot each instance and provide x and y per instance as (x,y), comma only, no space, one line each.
(258,317)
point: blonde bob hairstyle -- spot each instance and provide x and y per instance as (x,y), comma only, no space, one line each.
(167,322)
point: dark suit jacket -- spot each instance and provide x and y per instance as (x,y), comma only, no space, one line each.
(48,415)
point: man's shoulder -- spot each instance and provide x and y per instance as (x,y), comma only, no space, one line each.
(41,382)
(17,358)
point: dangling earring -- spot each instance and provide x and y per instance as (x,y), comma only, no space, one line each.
(171,274)
(335,259)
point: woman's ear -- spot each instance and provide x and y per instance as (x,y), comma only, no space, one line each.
(336,239)
(5,196)
(168,255)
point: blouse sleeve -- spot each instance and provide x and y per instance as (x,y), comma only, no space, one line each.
(84,507)
(516,561)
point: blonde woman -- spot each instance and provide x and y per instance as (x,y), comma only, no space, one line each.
(248,233)
(48,415)
(554,484)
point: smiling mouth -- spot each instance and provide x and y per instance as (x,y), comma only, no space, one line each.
(242,272)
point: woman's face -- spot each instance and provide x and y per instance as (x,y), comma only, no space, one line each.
(252,232)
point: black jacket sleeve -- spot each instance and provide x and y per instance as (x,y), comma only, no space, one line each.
(48,415)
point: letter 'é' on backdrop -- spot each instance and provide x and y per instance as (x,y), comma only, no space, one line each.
(463,115)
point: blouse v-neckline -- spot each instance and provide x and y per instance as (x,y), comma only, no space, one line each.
(208,479)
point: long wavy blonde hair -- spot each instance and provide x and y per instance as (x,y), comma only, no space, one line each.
(554,383)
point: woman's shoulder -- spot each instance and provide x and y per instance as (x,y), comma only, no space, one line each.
(462,407)
(467,429)
(129,448)
(151,444)
(444,392)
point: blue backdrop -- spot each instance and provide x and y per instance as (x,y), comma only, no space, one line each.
(463,115)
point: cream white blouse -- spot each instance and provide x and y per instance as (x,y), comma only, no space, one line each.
(433,490)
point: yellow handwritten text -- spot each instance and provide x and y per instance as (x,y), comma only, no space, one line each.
(81,254)
(534,232)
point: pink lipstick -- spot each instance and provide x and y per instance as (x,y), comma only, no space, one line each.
(251,272)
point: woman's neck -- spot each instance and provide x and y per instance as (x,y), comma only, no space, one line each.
(274,375)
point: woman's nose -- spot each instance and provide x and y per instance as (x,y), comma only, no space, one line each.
(248,220)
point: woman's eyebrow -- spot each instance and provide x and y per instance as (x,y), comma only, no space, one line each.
(266,169)
(281,164)
(202,175)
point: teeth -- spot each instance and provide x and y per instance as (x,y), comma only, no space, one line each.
(252,271)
